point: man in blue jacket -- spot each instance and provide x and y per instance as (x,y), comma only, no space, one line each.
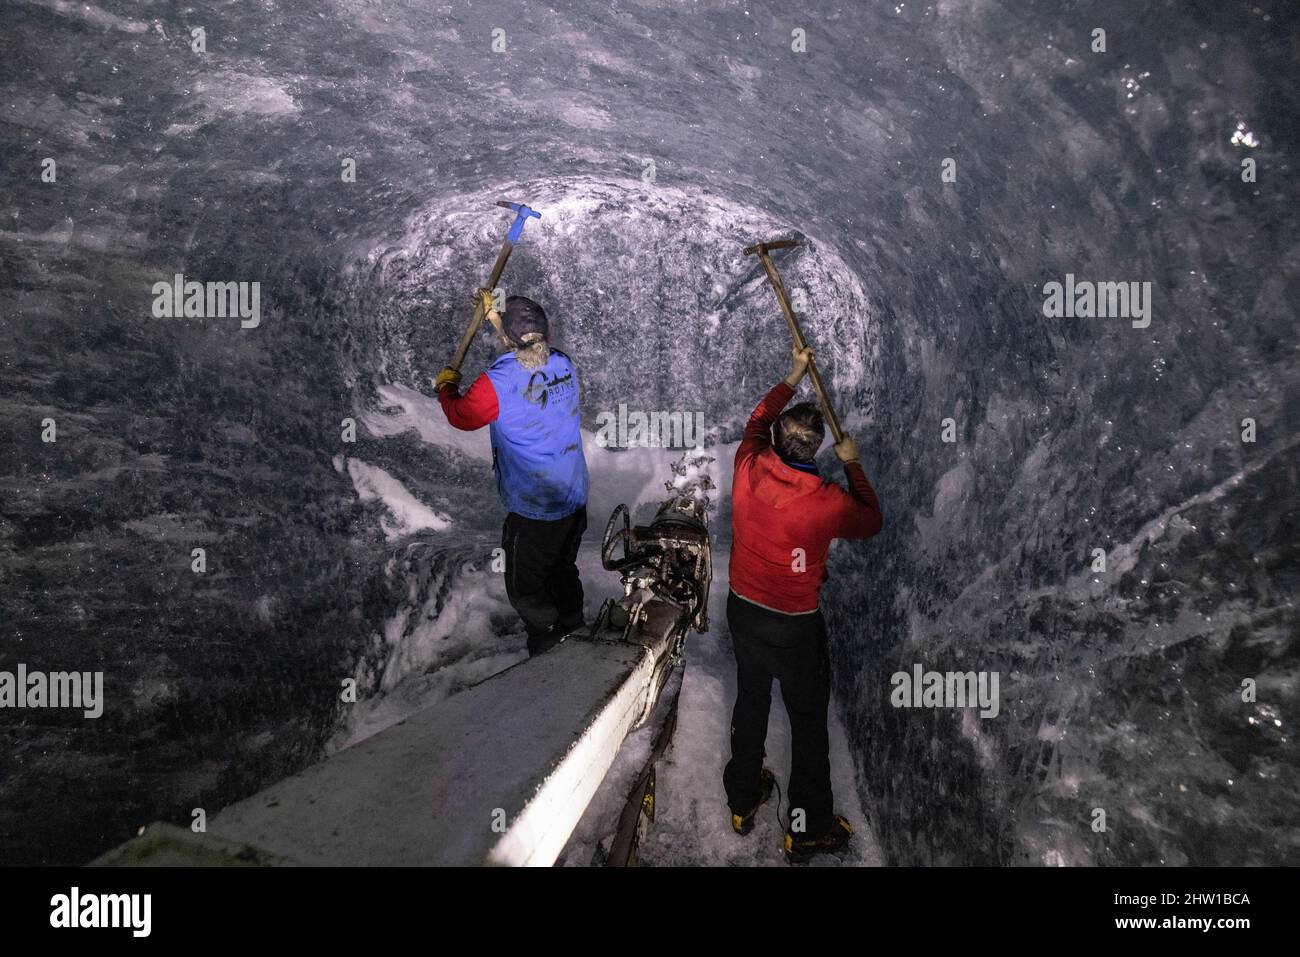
(528,398)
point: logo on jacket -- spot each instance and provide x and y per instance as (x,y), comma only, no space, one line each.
(540,387)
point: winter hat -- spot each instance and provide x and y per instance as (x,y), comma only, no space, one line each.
(522,317)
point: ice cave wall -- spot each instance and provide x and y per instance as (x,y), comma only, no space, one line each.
(1121,691)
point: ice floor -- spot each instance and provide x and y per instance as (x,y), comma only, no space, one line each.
(476,635)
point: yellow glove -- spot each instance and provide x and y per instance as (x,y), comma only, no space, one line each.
(485,299)
(447,377)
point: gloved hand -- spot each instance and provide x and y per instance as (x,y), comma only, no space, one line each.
(846,450)
(486,299)
(447,377)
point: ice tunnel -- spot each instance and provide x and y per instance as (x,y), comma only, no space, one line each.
(1100,509)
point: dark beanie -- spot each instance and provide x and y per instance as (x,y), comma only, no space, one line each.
(522,317)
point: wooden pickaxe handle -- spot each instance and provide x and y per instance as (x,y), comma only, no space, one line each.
(471,330)
(796,333)
(522,214)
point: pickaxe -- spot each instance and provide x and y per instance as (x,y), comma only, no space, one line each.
(522,214)
(762,250)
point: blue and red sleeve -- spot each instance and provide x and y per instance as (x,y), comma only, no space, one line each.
(473,410)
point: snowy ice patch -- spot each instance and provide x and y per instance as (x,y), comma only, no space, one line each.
(407,514)
(406,410)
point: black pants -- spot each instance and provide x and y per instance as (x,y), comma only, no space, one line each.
(791,649)
(542,575)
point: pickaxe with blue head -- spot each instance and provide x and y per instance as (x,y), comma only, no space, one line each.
(522,215)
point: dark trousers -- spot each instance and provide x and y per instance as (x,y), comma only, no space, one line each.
(791,649)
(542,575)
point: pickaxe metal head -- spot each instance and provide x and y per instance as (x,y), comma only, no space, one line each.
(761,248)
(522,215)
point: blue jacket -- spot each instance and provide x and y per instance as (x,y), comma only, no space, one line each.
(537,437)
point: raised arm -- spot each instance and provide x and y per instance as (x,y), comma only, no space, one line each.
(473,410)
(859,515)
(758,431)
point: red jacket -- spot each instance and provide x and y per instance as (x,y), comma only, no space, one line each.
(776,509)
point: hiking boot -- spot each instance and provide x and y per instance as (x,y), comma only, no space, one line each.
(800,849)
(539,644)
(744,823)
(577,627)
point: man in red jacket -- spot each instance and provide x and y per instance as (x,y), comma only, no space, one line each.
(783,518)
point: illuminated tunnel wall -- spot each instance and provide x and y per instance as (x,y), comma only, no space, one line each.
(658,139)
